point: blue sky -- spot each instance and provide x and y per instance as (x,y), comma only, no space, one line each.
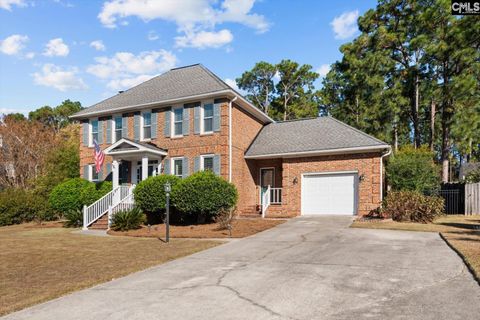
(53,50)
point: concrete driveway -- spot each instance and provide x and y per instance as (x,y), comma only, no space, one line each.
(307,268)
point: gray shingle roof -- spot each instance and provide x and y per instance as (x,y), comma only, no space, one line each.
(319,134)
(174,84)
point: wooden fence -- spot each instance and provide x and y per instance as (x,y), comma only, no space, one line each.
(472,198)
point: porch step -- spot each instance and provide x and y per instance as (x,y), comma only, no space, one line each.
(100,224)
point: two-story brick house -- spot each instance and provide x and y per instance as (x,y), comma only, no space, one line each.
(188,119)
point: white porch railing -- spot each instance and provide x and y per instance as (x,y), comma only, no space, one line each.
(270,196)
(126,203)
(93,212)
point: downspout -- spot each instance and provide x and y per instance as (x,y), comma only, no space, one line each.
(230,138)
(389,152)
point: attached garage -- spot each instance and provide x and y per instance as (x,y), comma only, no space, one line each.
(329,193)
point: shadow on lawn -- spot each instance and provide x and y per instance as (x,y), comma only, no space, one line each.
(461,225)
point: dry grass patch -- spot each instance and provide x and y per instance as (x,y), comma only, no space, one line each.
(241,228)
(42,263)
(461,232)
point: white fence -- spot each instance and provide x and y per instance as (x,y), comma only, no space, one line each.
(472,198)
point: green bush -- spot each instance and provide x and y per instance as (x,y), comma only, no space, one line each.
(412,206)
(413,169)
(74,219)
(127,219)
(94,191)
(473,176)
(69,195)
(204,194)
(19,205)
(150,193)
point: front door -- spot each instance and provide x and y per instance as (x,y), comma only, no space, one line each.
(266,179)
(124,172)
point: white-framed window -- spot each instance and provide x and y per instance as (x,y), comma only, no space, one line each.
(93,175)
(207,118)
(94,123)
(177,167)
(152,169)
(177,122)
(206,162)
(146,125)
(117,128)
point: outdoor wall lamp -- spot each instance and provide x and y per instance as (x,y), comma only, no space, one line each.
(361,178)
(295,180)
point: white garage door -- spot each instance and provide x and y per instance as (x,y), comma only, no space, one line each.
(329,194)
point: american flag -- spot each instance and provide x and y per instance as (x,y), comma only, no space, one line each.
(99,157)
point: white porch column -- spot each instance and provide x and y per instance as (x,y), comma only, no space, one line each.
(115,176)
(159,168)
(144,167)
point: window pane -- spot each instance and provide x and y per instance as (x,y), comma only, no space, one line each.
(95,136)
(95,126)
(118,135)
(147,119)
(118,123)
(208,110)
(178,169)
(178,129)
(178,113)
(94,174)
(208,163)
(147,132)
(208,125)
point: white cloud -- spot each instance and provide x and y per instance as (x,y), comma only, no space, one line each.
(56,47)
(345,25)
(232,83)
(152,35)
(98,45)
(7,4)
(204,39)
(13,44)
(58,78)
(10,110)
(192,17)
(125,69)
(30,55)
(323,70)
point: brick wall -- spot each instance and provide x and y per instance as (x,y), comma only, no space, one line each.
(367,164)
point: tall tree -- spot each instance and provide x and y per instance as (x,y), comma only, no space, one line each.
(295,82)
(57,117)
(259,84)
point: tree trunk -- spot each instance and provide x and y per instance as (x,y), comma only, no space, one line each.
(445,143)
(432,125)
(285,108)
(416,132)
(395,137)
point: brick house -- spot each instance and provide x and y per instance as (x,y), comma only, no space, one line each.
(188,119)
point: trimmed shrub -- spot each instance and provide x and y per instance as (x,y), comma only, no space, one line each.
(413,169)
(128,219)
(68,196)
(19,205)
(204,194)
(412,206)
(94,191)
(150,193)
(74,219)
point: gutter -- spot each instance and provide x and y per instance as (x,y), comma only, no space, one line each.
(389,152)
(230,138)
(319,152)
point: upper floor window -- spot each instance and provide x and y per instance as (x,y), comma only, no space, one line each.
(147,125)
(94,124)
(118,129)
(177,167)
(177,122)
(207,118)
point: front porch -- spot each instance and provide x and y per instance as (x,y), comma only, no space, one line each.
(132,162)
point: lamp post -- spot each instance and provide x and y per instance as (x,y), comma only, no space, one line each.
(168,189)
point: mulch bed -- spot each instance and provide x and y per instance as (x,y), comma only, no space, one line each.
(241,228)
